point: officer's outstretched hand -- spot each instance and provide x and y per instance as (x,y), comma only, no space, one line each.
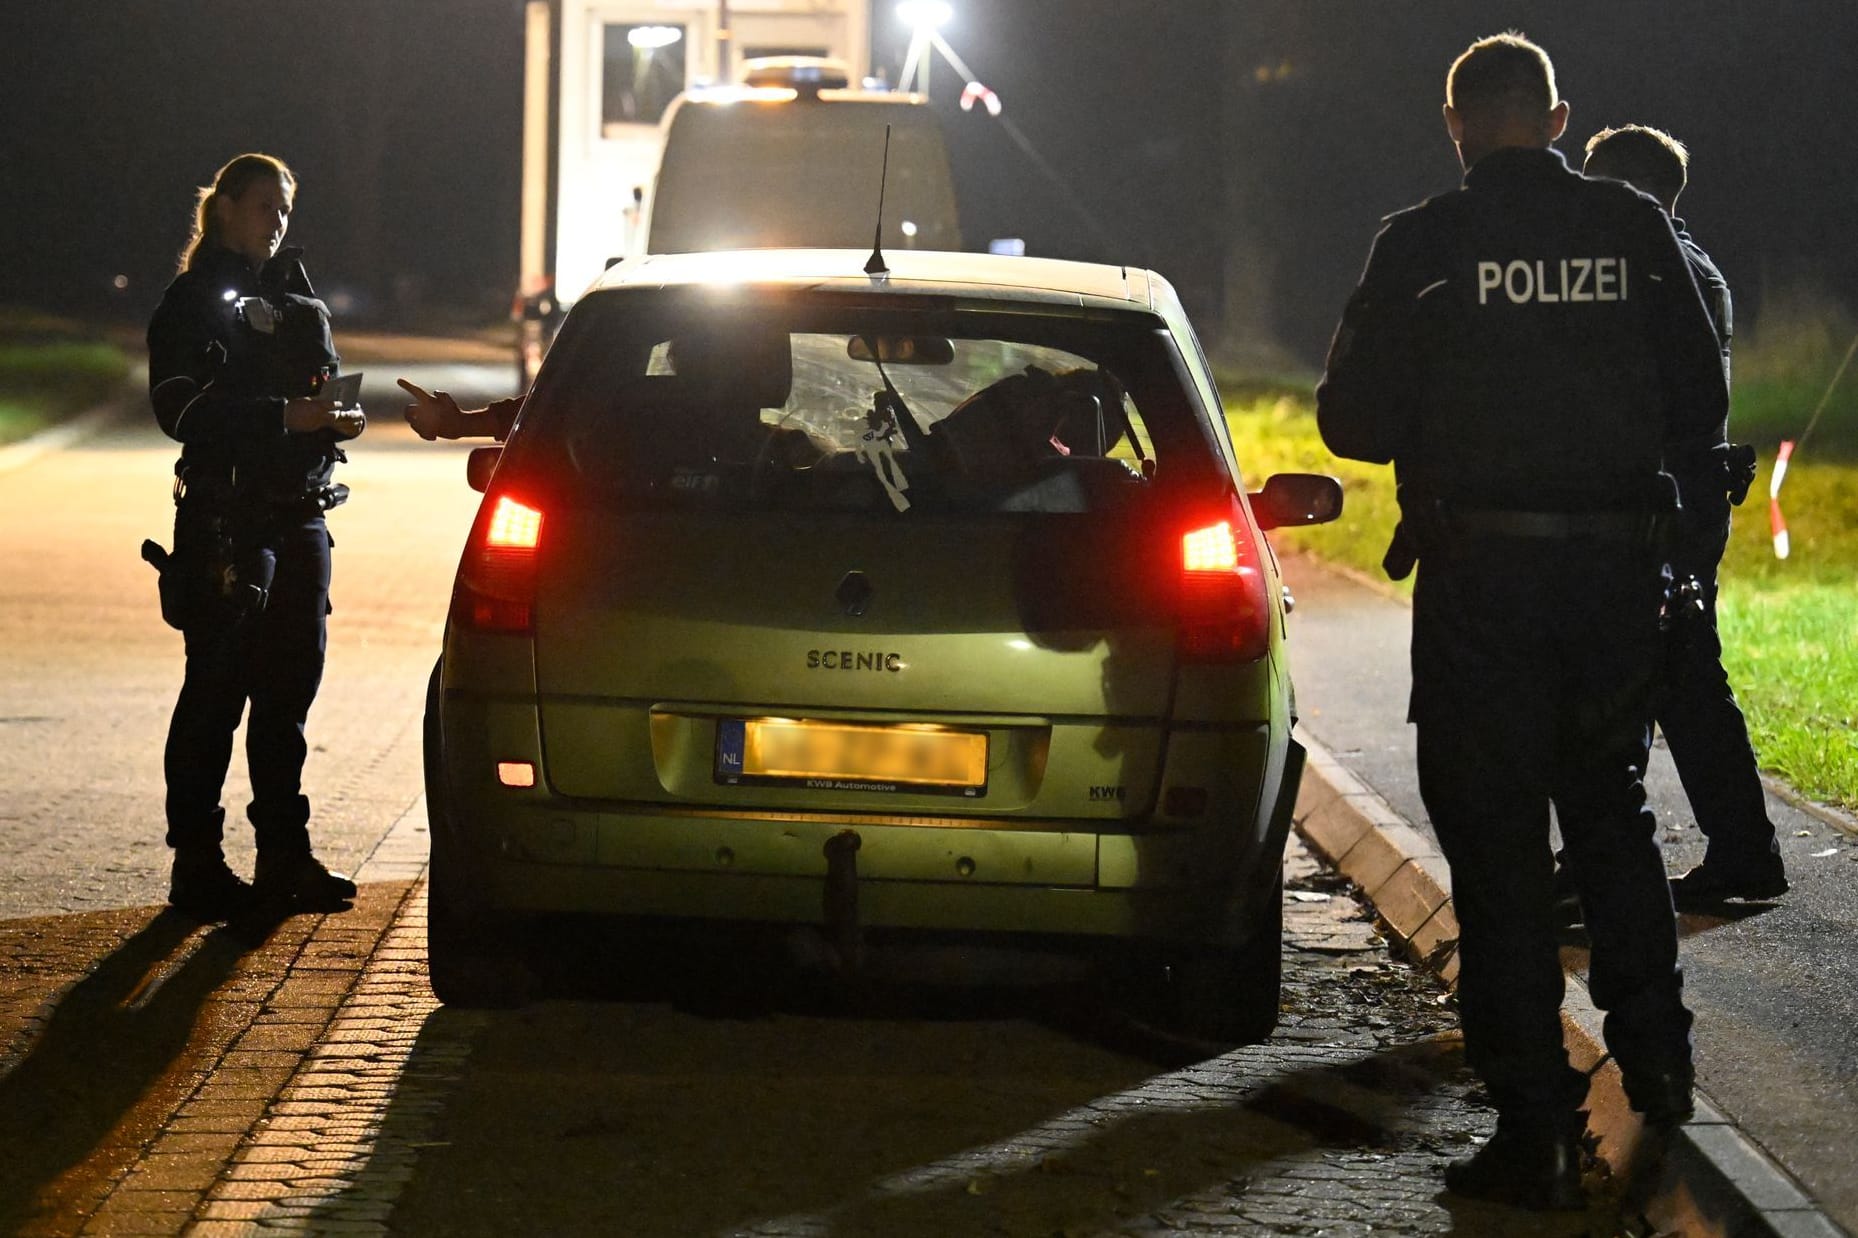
(431,414)
(348,422)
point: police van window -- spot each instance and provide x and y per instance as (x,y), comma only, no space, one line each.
(642,72)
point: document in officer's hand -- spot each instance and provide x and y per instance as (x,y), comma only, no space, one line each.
(345,390)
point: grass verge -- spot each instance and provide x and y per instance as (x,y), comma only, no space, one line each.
(1788,626)
(51,368)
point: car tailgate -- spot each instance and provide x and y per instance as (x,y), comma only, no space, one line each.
(655,629)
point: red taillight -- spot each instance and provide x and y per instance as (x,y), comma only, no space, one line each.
(496,581)
(1225,616)
(513,526)
(1212,549)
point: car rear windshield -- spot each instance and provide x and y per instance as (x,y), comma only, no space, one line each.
(661,399)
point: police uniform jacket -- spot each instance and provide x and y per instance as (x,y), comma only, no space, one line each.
(1715,290)
(1530,341)
(228,348)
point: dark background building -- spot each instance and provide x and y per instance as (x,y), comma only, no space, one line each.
(1245,148)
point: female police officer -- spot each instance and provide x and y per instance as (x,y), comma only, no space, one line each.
(237,351)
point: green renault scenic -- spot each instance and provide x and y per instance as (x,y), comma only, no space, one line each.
(924,601)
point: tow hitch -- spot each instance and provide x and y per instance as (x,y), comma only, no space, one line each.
(841,901)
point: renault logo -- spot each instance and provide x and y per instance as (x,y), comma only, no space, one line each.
(854,593)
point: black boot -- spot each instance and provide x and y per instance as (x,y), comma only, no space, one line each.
(1536,1168)
(1709,885)
(202,886)
(298,879)
(1664,1098)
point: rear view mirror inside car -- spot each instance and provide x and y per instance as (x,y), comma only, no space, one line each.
(901,349)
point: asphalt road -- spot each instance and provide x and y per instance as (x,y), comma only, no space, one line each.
(1775,991)
(88,672)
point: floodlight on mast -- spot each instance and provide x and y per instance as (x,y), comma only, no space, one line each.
(925,18)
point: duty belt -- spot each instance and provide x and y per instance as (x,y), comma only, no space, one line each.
(1614,525)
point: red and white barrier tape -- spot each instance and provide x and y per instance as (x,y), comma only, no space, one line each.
(974,93)
(1777,523)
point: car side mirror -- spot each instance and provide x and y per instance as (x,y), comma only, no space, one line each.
(1297,498)
(479,466)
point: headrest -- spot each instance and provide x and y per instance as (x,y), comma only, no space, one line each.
(736,366)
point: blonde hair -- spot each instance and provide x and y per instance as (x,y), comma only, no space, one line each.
(232,181)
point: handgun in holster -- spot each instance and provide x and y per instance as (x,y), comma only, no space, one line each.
(1738,472)
(195,587)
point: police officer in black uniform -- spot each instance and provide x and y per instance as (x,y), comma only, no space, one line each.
(1696,707)
(237,352)
(1528,351)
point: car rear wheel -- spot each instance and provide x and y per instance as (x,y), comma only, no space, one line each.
(1232,996)
(472,965)
(472,961)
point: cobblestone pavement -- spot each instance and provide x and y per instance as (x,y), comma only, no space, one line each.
(160,1078)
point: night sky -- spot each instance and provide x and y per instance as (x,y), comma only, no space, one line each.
(1245,148)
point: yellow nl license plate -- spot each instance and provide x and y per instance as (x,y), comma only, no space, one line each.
(836,756)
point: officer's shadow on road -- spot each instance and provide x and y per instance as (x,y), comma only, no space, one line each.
(110,1060)
(661,1131)
(914,1111)
(1311,1143)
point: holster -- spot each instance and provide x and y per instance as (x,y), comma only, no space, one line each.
(199,589)
(207,579)
(1738,472)
(169,583)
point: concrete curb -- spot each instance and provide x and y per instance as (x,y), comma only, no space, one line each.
(1709,1178)
(65,433)
(1832,815)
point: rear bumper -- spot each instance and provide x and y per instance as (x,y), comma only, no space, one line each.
(908,877)
(529,851)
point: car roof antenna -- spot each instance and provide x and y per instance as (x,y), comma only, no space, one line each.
(875,264)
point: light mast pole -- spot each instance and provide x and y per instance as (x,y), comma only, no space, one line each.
(725,70)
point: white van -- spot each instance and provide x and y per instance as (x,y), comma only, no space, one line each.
(599,78)
(796,159)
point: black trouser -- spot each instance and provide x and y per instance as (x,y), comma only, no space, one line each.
(1696,708)
(271,657)
(1533,661)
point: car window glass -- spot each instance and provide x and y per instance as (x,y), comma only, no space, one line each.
(642,69)
(1013,413)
